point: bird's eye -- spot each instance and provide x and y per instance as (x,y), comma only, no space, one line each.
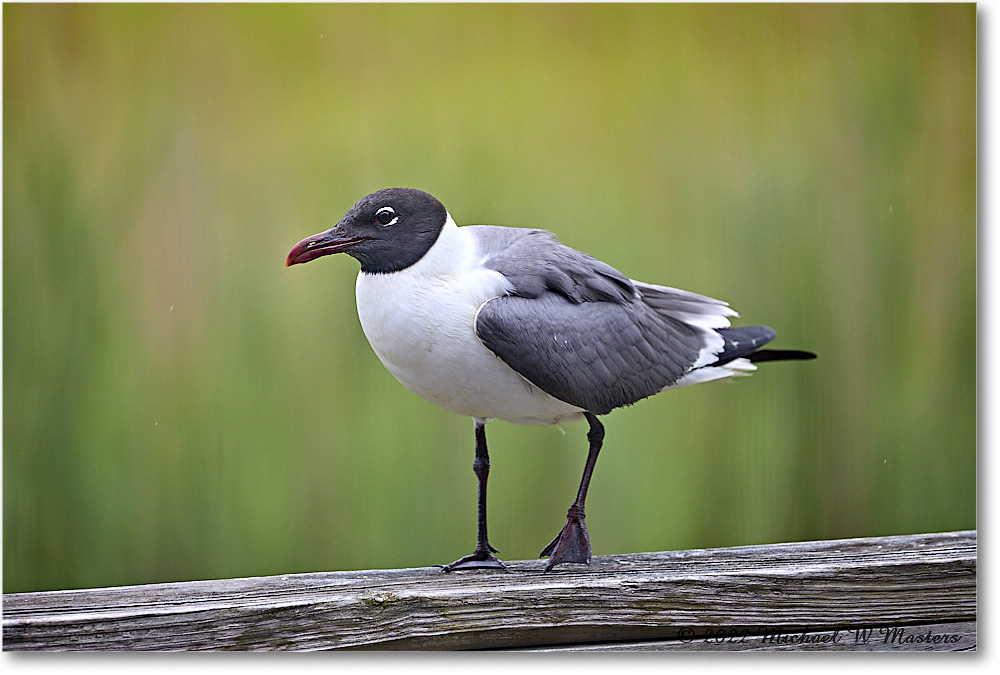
(386,216)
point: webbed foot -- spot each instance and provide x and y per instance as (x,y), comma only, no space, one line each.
(478,559)
(572,544)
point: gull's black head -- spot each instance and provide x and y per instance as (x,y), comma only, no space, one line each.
(387,231)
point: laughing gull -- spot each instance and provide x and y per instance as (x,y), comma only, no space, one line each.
(507,323)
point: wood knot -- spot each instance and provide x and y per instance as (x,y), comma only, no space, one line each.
(380,600)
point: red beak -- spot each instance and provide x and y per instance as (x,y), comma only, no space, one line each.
(319,245)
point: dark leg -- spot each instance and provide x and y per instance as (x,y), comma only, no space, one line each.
(573,542)
(483,555)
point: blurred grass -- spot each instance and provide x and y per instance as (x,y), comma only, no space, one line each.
(178,405)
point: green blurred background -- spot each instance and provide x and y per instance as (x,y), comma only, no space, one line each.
(179,405)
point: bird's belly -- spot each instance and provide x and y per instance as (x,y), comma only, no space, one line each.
(423,332)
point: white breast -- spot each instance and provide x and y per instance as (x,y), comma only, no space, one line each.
(420,322)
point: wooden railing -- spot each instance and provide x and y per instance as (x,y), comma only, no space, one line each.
(915,592)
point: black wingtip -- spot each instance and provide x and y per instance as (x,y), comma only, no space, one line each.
(742,341)
(781,355)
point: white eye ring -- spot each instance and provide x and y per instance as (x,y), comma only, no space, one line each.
(386,209)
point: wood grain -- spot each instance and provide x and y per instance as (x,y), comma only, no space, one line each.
(667,600)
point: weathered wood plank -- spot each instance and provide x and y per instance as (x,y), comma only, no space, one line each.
(813,586)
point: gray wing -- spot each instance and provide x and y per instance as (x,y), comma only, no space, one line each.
(594,355)
(583,332)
